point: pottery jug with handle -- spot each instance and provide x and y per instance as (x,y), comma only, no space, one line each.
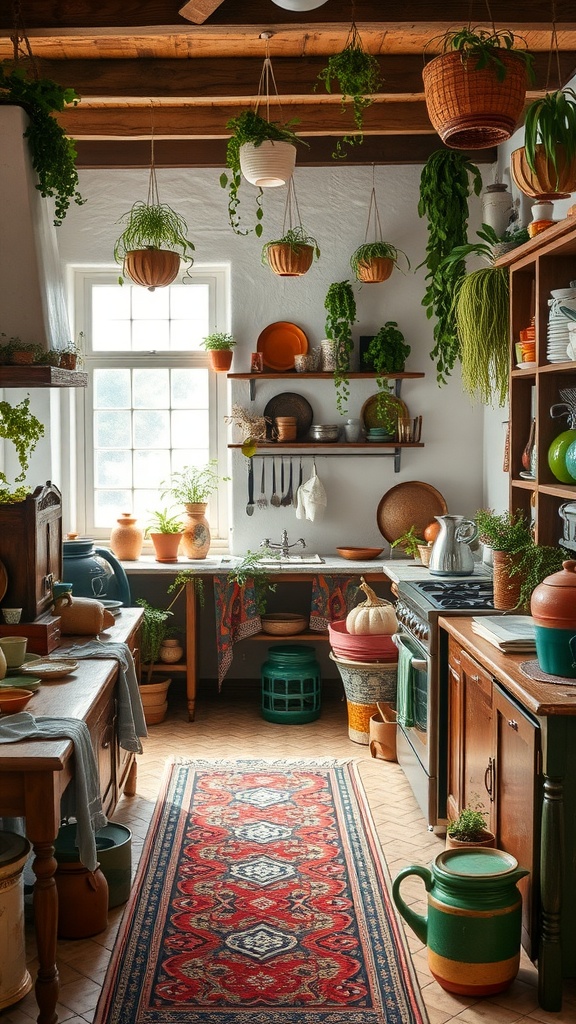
(94,572)
(451,555)
(474,921)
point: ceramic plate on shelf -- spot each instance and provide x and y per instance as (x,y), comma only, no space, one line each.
(113,606)
(290,404)
(21,682)
(412,503)
(29,659)
(279,343)
(55,668)
(525,366)
(370,415)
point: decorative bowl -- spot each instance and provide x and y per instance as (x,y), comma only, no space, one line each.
(283,623)
(359,554)
(324,432)
(12,699)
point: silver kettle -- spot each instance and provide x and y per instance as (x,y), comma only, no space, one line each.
(451,555)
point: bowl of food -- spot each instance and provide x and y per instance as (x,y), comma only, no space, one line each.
(13,699)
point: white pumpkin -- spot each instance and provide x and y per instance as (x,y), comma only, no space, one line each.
(374,615)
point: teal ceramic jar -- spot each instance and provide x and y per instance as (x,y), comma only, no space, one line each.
(473,926)
(553,608)
(94,572)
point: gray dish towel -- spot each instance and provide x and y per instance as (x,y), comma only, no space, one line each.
(131,723)
(81,800)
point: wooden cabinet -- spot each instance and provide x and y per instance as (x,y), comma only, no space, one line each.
(546,262)
(470,751)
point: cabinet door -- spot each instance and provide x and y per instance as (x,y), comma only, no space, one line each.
(517,783)
(125,759)
(455,744)
(477,739)
(103,740)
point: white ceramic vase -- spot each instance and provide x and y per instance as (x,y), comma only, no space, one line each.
(269,165)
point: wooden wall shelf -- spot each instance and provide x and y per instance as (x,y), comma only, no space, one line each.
(41,377)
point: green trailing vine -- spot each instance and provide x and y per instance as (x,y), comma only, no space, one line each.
(341,308)
(250,568)
(154,631)
(481,313)
(357,74)
(387,353)
(53,153)
(24,430)
(445,186)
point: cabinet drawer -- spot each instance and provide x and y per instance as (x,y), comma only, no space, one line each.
(477,677)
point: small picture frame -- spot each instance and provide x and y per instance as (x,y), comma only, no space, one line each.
(256,362)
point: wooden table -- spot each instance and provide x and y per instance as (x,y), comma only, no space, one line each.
(33,777)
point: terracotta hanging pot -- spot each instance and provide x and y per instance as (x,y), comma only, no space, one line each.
(221,359)
(375,270)
(286,261)
(468,106)
(166,546)
(196,537)
(152,268)
(547,182)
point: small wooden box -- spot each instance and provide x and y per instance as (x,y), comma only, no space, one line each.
(43,634)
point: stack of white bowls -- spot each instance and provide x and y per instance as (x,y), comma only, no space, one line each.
(558,324)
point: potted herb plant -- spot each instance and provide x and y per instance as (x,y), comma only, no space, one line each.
(264,152)
(53,152)
(192,487)
(153,690)
(165,531)
(293,254)
(153,244)
(340,305)
(410,542)
(476,87)
(374,261)
(219,344)
(387,350)
(469,829)
(508,535)
(357,75)
(545,167)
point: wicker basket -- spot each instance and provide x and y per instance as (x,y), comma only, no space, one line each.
(375,270)
(469,107)
(286,261)
(283,623)
(547,183)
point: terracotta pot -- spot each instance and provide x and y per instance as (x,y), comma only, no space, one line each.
(287,262)
(468,106)
(376,270)
(126,538)
(68,360)
(171,651)
(221,359)
(196,537)
(166,546)
(506,587)
(152,268)
(553,602)
(82,900)
(488,841)
(547,183)
(22,358)
(154,699)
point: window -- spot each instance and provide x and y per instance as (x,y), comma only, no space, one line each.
(152,405)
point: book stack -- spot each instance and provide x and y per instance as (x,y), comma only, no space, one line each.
(512,634)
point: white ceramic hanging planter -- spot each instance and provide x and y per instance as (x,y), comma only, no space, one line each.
(269,165)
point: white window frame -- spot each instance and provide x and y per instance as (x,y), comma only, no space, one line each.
(77,409)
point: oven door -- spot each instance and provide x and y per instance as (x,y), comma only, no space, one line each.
(416,708)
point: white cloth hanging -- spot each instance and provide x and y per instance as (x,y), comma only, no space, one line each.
(311,499)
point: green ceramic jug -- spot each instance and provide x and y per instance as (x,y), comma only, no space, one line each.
(474,920)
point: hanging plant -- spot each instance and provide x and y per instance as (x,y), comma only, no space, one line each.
(545,168)
(447,181)
(291,255)
(341,306)
(357,75)
(24,430)
(53,153)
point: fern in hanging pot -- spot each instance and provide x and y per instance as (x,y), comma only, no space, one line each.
(341,309)
(291,255)
(357,74)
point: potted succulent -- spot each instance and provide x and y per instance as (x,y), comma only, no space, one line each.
(53,152)
(357,75)
(153,244)
(192,486)
(219,345)
(262,151)
(469,829)
(293,254)
(374,261)
(340,305)
(476,87)
(545,167)
(165,531)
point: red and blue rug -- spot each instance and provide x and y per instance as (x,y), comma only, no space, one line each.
(261,897)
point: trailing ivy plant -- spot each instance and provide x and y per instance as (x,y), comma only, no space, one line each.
(445,185)
(24,430)
(53,153)
(251,568)
(341,308)
(357,75)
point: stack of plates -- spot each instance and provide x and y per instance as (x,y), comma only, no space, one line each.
(361,647)
(378,434)
(558,336)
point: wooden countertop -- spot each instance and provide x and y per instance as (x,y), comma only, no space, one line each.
(541,699)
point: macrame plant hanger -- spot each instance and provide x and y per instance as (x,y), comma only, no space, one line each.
(373,214)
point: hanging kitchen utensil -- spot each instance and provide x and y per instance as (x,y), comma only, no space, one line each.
(295,498)
(263,500)
(275,499)
(250,505)
(287,499)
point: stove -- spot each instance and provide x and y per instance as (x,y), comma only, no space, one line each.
(421,603)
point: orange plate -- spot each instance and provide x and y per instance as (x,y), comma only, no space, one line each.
(412,503)
(360,554)
(279,343)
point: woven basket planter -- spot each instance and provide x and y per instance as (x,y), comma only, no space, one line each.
(376,270)
(152,268)
(470,108)
(286,261)
(546,183)
(269,165)
(506,587)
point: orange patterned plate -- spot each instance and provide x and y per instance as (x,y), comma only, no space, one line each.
(279,343)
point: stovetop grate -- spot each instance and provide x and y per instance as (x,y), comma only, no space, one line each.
(462,594)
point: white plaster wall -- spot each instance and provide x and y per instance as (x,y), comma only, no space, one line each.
(334,205)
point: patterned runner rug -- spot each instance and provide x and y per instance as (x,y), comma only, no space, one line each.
(261,896)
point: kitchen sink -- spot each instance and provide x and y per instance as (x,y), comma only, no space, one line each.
(292,560)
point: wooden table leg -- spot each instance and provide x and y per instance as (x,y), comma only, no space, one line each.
(45,903)
(551,871)
(191,651)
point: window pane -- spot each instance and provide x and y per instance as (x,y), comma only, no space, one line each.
(147,305)
(190,389)
(189,428)
(152,429)
(151,389)
(151,465)
(112,389)
(112,430)
(113,468)
(150,335)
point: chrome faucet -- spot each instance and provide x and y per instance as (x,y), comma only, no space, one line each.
(283,547)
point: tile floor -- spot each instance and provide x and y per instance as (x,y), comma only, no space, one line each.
(230,726)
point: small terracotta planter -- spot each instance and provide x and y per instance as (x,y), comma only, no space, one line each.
(488,840)
(22,358)
(221,359)
(286,261)
(152,268)
(68,360)
(166,546)
(376,270)
(547,183)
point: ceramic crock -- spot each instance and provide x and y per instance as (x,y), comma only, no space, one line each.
(553,608)
(474,920)
(94,572)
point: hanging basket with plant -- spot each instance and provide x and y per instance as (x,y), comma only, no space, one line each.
(545,167)
(446,182)
(291,255)
(476,87)
(357,75)
(341,314)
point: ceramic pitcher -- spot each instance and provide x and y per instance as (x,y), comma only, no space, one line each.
(451,555)
(474,920)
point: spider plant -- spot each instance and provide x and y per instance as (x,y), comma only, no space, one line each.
(375,250)
(295,238)
(551,122)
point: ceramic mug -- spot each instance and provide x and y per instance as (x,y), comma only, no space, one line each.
(11,616)
(14,648)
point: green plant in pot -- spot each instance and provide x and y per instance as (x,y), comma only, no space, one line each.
(194,484)
(447,180)
(155,630)
(53,153)
(357,75)
(545,167)
(470,829)
(291,255)
(153,244)
(508,534)
(219,344)
(251,129)
(374,261)
(387,351)
(410,542)
(19,426)
(165,531)
(340,305)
